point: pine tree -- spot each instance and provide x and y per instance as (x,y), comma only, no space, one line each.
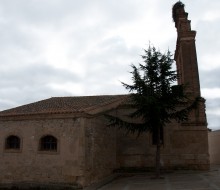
(155,97)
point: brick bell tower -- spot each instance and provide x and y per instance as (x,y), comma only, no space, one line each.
(186,61)
(185,54)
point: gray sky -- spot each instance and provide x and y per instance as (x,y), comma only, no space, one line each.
(69,47)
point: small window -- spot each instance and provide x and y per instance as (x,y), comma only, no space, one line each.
(12,142)
(48,143)
(154,136)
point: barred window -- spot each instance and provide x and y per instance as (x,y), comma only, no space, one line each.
(48,143)
(12,142)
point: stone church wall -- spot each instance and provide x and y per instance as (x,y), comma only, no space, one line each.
(189,148)
(88,150)
(100,149)
(29,164)
(184,147)
(214,150)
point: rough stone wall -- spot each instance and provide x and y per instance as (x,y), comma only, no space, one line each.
(185,147)
(189,148)
(214,150)
(88,150)
(100,149)
(182,149)
(133,151)
(29,164)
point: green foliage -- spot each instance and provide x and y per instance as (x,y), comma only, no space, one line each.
(155,98)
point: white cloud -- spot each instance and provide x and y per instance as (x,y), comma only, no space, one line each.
(211,93)
(214,112)
(68,87)
(212,15)
(210,62)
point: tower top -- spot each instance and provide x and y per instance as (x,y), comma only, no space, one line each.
(180,17)
(177,11)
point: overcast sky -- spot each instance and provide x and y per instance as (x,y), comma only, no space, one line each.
(54,48)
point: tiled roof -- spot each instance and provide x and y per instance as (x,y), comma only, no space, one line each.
(63,105)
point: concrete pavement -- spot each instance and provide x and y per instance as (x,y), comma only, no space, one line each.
(177,180)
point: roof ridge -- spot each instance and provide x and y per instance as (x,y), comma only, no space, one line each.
(104,103)
(67,104)
(89,96)
(27,104)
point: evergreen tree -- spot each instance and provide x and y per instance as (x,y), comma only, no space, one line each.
(156,99)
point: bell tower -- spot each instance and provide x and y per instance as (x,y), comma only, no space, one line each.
(186,61)
(185,54)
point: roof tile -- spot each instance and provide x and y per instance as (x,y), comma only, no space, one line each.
(63,105)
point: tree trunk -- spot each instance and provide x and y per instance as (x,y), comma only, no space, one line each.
(158,153)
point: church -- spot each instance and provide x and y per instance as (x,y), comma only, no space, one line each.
(65,140)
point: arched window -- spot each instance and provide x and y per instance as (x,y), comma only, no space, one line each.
(12,142)
(48,143)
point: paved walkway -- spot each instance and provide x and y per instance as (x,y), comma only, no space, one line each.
(178,180)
